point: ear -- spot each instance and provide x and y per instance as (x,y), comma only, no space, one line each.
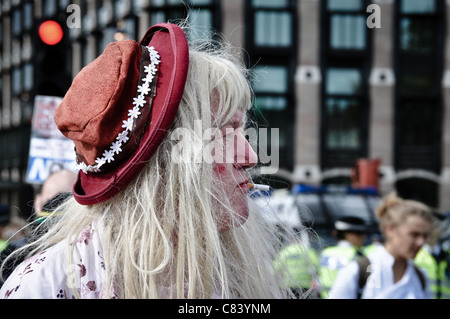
(389,231)
(38,203)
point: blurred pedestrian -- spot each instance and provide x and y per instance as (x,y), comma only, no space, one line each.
(11,235)
(434,259)
(389,272)
(350,233)
(152,214)
(375,242)
(55,189)
(61,181)
(5,214)
(298,263)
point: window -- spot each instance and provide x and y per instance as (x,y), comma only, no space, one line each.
(351,35)
(202,21)
(271,44)
(343,109)
(417,25)
(28,77)
(273,28)
(50,7)
(272,23)
(343,81)
(418,6)
(270,84)
(27,15)
(16,81)
(418,69)
(345,65)
(204,15)
(118,20)
(347,24)
(63,4)
(16,22)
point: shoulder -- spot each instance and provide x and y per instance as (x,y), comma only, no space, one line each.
(329,252)
(345,285)
(50,274)
(420,276)
(40,276)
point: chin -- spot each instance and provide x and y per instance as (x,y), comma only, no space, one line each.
(240,217)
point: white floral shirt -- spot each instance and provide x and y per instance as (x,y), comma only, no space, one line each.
(46,275)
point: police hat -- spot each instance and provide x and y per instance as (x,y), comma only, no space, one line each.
(350,224)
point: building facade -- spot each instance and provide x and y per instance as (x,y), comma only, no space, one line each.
(334,80)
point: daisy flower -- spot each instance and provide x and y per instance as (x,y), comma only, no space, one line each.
(144,88)
(122,137)
(82,166)
(116,147)
(148,78)
(128,124)
(139,101)
(134,112)
(108,156)
(100,162)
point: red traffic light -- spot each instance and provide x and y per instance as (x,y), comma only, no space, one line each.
(50,32)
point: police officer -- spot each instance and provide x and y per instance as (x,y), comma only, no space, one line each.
(434,258)
(350,233)
(298,263)
(436,263)
(4,221)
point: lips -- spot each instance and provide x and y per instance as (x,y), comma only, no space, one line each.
(244,185)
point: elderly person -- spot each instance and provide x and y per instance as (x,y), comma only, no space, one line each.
(158,210)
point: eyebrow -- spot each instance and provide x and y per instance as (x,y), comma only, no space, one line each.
(236,123)
(232,123)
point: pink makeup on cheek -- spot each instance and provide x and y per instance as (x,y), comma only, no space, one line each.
(219,169)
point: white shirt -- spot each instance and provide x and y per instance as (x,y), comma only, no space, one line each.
(380,284)
(46,275)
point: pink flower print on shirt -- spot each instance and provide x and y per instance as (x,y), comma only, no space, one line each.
(85,236)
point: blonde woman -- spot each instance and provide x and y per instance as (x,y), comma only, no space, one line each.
(160,207)
(390,272)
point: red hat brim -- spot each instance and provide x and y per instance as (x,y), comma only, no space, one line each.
(170,42)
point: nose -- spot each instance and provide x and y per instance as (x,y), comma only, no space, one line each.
(245,156)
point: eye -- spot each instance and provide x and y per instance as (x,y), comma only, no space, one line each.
(228,132)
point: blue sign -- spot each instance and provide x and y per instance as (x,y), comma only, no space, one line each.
(39,168)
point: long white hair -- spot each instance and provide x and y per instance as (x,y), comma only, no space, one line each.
(161,231)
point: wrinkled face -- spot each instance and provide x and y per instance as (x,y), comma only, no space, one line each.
(406,239)
(233,156)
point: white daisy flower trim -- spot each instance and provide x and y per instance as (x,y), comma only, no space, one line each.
(133,113)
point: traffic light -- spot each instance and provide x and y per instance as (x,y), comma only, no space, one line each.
(51,57)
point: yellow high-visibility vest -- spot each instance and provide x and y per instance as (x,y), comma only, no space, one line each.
(438,274)
(298,265)
(332,259)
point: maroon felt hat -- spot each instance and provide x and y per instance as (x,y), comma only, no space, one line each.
(120,107)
